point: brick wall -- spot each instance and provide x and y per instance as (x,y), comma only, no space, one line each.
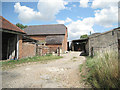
(104,41)
(20,47)
(64,44)
(28,50)
(53,48)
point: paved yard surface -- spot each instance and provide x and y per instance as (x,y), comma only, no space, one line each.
(62,73)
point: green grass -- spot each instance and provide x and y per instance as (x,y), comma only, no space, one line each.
(103,70)
(80,68)
(74,57)
(14,63)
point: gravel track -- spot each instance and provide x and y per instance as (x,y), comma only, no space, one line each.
(62,73)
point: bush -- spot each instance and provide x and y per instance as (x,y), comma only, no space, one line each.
(103,70)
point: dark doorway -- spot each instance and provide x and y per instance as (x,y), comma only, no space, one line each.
(9,45)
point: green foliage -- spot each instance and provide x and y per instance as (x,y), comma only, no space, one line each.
(81,65)
(14,63)
(103,70)
(21,26)
(84,36)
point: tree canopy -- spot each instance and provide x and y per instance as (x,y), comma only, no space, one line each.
(84,36)
(21,26)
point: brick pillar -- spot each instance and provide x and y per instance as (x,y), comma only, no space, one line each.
(0,45)
(20,47)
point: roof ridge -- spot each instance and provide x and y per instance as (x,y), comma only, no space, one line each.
(45,25)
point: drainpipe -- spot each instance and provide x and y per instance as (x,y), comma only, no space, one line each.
(17,46)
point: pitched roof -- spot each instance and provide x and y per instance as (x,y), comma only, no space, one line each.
(5,24)
(45,29)
(50,40)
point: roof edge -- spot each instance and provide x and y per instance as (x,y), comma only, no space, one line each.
(12,24)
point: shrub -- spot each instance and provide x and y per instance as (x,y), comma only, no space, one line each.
(103,70)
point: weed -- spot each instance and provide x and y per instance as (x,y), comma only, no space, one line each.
(103,70)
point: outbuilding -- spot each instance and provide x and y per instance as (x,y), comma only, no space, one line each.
(11,40)
(53,36)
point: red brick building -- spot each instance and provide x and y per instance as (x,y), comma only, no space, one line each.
(53,36)
(14,43)
(11,40)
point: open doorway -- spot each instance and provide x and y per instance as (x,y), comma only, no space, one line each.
(9,46)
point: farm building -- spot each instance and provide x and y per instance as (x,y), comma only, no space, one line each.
(96,42)
(80,45)
(13,41)
(52,36)
(109,40)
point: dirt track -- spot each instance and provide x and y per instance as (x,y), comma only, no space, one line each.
(62,73)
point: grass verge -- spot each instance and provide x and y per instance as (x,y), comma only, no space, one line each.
(102,70)
(14,63)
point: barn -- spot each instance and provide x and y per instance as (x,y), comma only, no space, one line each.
(11,40)
(52,36)
(80,45)
(15,44)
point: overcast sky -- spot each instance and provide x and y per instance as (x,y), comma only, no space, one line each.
(80,17)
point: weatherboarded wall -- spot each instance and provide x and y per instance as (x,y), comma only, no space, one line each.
(28,50)
(104,41)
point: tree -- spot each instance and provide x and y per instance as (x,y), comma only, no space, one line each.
(84,36)
(21,26)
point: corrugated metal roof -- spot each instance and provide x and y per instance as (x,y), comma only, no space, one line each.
(5,24)
(51,40)
(45,29)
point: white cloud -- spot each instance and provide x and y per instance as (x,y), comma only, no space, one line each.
(47,10)
(84,3)
(74,5)
(108,13)
(79,17)
(107,10)
(104,3)
(107,16)
(68,20)
(80,27)
(60,21)
(26,14)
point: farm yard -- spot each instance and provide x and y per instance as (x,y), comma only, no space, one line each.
(47,61)
(61,73)
(60,44)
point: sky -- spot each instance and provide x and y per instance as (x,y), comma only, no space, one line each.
(80,17)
